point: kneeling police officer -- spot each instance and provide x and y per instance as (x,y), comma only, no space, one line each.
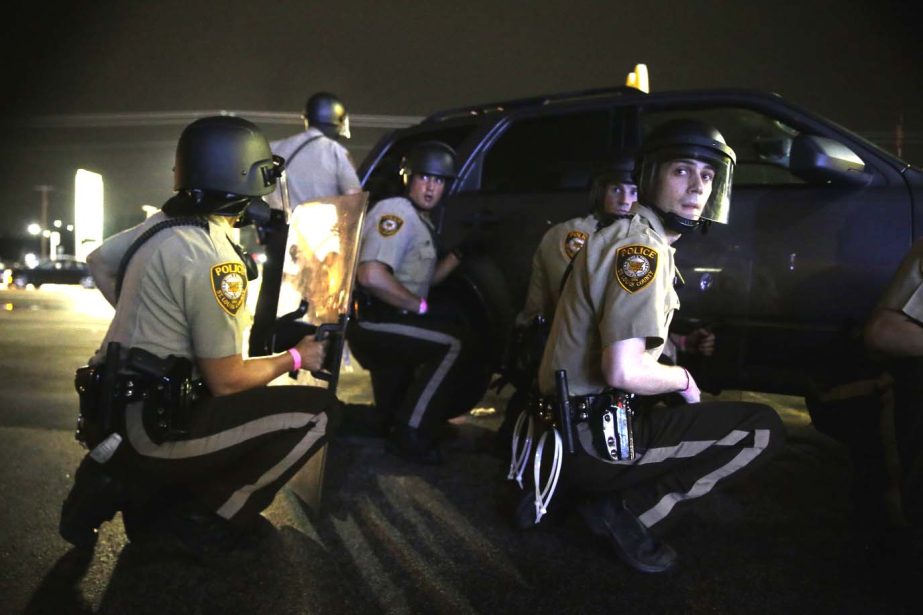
(419,358)
(629,473)
(185,436)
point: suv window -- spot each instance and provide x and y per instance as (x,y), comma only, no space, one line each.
(762,143)
(548,154)
(385,179)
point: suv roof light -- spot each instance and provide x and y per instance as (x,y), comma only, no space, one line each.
(638,79)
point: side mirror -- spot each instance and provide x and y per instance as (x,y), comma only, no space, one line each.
(826,160)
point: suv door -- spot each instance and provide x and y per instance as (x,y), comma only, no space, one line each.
(531,170)
(803,258)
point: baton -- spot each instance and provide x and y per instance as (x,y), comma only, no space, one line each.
(560,380)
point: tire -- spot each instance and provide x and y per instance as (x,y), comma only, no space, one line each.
(87,282)
(20,281)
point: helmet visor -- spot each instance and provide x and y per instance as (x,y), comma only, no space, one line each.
(279,198)
(718,206)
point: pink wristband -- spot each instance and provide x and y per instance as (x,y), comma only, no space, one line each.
(423,306)
(296,358)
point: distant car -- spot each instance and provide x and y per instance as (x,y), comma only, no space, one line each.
(63,270)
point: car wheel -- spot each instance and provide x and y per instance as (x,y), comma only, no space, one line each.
(87,282)
(20,281)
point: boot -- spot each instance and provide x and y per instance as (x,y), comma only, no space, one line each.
(93,500)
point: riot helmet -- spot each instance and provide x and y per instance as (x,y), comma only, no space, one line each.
(223,165)
(617,171)
(429,158)
(327,113)
(686,139)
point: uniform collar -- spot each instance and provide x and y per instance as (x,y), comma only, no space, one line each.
(651,217)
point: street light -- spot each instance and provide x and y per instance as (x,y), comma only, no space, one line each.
(36,230)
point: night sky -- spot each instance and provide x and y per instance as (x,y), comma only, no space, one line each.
(857,63)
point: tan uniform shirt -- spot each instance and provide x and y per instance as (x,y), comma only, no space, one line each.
(556,250)
(184,292)
(397,235)
(905,293)
(321,168)
(621,288)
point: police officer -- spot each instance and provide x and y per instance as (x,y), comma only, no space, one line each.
(418,359)
(316,164)
(895,331)
(170,405)
(608,332)
(613,193)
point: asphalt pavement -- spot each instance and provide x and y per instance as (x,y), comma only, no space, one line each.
(399,538)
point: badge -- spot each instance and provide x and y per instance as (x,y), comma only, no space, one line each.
(389,224)
(635,267)
(573,243)
(229,283)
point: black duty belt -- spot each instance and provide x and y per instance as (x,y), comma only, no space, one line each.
(165,385)
(609,414)
(370,309)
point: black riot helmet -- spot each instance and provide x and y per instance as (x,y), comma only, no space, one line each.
(429,158)
(686,139)
(223,164)
(327,113)
(619,170)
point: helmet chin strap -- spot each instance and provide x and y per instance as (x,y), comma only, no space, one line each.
(675,223)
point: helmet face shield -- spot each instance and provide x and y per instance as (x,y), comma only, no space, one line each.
(282,191)
(719,201)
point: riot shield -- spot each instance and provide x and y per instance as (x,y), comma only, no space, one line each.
(308,278)
(306,289)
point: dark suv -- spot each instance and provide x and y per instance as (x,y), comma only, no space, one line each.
(819,220)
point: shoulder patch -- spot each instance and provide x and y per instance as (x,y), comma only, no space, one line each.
(229,283)
(635,267)
(574,242)
(389,224)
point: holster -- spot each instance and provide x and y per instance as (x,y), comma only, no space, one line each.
(87,381)
(165,386)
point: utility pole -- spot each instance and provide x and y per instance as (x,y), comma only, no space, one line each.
(44,189)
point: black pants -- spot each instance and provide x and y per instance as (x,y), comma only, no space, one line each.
(682,452)
(237,450)
(421,368)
